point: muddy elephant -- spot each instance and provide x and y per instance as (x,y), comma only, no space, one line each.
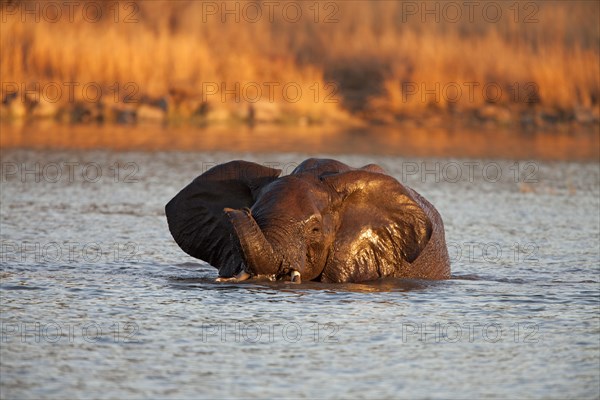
(324,222)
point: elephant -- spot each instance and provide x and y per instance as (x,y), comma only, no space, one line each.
(324,222)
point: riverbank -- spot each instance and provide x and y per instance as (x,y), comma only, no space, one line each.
(533,64)
(176,109)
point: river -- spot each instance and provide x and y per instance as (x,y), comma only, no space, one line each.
(97,300)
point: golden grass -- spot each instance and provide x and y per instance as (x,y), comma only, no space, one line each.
(371,53)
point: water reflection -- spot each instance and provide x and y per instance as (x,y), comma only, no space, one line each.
(382,285)
(152,323)
(417,141)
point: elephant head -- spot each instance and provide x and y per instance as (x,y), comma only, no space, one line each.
(325,221)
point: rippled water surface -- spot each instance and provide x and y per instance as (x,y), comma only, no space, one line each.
(99,302)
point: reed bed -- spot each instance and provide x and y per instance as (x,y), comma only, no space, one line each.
(383,60)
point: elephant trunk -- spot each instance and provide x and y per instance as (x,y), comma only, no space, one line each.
(258,253)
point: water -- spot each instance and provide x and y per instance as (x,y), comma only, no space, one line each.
(99,302)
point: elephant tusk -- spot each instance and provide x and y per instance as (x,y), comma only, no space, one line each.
(242,276)
(295,275)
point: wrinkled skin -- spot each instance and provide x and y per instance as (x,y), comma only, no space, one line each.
(325,222)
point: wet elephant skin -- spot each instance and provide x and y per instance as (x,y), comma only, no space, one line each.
(324,222)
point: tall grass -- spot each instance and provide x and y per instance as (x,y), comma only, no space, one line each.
(381,58)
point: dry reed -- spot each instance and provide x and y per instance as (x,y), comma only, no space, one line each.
(383,60)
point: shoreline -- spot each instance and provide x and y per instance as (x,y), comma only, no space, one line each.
(168,112)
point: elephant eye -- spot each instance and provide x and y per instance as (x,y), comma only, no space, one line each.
(314,226)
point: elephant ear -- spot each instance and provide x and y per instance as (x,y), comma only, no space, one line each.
(196,218)
(383,228)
